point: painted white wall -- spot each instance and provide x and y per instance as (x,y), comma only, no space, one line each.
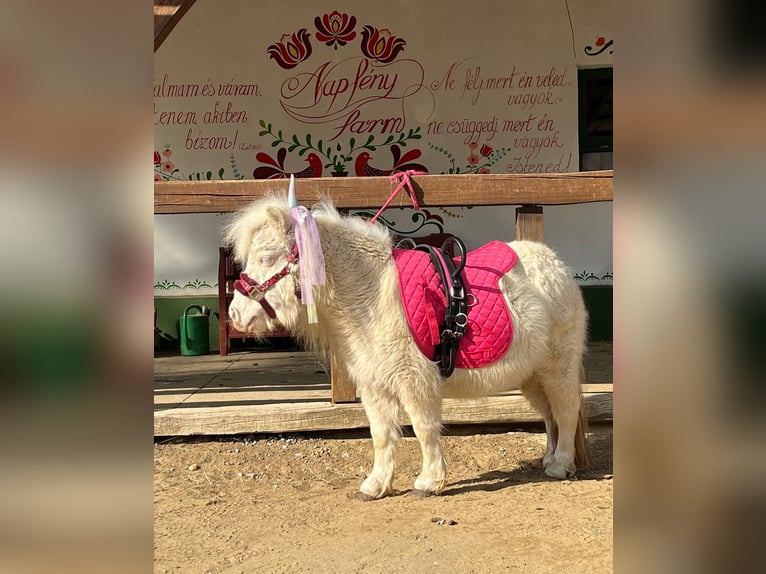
(432,82)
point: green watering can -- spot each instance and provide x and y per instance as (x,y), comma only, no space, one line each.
(195,334)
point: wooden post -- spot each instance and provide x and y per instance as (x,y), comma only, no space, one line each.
(529,222)
(342,390)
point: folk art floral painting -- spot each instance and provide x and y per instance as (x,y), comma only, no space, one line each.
(337,140)
(308,154)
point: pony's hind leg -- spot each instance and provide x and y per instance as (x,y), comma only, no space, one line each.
(562,387)
(533,391)
(383,413)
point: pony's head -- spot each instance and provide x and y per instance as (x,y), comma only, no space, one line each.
(262,239)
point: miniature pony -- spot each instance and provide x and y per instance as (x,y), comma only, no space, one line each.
(361,322)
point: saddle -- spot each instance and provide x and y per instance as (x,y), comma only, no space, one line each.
(454,306)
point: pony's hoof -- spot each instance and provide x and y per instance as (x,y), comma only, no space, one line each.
(417,493)
(364,497)
(559,471)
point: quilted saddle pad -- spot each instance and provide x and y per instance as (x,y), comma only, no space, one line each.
(489,331)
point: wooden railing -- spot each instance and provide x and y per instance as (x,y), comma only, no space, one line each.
(529,191)
(372,192)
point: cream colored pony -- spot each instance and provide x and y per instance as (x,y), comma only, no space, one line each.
(361,322)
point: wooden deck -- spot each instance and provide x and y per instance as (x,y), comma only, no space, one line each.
(287,391)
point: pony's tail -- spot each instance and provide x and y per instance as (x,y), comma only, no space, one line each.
(582,455)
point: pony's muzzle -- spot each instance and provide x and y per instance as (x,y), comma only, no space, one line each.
(236,318)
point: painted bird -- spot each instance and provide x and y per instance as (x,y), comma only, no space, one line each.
(362,167)
(275,168)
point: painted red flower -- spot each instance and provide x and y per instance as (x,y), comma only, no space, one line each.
(157,158)
(600,41)
(291,50)
(485,150)
(380,45)
(335,29)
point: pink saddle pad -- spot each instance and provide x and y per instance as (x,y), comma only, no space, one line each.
(489,331)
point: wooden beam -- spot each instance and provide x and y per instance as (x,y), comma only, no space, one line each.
(372,192)
(168,13)
(302,417)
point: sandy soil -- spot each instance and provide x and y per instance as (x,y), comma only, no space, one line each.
(273,504)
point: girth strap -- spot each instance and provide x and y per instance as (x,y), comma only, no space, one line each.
(456,312)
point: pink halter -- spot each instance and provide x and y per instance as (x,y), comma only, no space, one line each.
(249,288)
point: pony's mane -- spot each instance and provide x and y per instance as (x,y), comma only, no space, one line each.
(239,230)
(326,212)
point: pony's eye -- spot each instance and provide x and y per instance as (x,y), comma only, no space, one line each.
(266,260)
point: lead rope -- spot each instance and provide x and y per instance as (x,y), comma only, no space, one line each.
(405,182)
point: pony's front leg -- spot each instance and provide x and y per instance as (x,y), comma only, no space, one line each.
(383,414)
(424,410)
(433,475)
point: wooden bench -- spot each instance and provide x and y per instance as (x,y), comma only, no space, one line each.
(528,191)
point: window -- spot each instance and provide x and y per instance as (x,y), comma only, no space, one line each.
(595,94)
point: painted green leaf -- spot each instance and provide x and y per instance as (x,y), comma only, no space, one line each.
(308,139)
(209,175)
(262,123)
(220,173)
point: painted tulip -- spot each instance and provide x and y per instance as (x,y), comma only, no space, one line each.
(380,45)
(291,50)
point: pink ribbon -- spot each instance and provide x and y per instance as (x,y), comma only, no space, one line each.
(310,257)
(405,182)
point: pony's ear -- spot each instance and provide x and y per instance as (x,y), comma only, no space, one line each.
(278,219)
(243,226)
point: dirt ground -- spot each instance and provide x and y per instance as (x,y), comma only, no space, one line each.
(285,503)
